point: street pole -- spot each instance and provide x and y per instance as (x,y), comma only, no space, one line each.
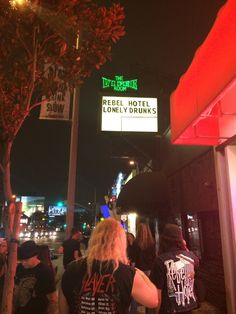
(73,162)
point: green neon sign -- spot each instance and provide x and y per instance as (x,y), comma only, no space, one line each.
(119,85)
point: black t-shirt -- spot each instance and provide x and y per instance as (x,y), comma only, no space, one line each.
(104,291)
(130,253)
(31,287)
(69,247)
(143,258)
(173,273)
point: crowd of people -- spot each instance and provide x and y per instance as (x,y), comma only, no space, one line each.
(117,273)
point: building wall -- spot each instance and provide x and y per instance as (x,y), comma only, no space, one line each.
(192,185)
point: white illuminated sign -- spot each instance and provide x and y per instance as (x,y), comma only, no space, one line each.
(56,211)
(129,114)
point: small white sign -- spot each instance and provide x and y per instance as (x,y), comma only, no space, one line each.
(129,114)
(57,108)
(56,211)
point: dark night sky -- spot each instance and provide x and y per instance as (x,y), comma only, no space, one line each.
(161,39)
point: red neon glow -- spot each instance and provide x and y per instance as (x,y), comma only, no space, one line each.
(203,106)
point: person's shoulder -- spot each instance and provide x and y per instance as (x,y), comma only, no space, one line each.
(163,256)
(159,260)
(43,268)
(66,241)
(70,242)
(19,268)
(74,270)
(74,241)
(123,265)
(126,268)
(189,254)
(77,265)
(135,245)
(194,257)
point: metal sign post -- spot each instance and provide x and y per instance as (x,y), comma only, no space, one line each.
(73,162)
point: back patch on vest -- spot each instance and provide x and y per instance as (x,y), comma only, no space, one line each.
(180,279)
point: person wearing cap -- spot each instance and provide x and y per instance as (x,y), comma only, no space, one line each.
(35,291)
(173,273)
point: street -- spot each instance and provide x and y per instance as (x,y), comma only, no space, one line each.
(53,242)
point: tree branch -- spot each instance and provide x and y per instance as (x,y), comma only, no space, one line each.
(34,67)
(27,113)
(23,43)
(2,114)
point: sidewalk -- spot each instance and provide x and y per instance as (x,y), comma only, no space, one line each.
(57,263)
(207,308)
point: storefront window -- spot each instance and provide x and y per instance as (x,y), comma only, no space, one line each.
(193,234)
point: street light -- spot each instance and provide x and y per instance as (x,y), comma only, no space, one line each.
(135,165)
(18,3)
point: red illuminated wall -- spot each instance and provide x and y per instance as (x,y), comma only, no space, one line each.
(203,106)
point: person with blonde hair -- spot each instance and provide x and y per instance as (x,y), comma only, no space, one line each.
(103,282)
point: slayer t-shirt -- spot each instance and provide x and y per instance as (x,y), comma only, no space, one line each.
(105,291)
(173,273)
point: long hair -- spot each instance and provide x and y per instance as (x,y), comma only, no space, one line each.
(107,243)
(144,238)
(44,256)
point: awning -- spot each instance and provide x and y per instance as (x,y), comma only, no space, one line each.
(147,194)
(203,106)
